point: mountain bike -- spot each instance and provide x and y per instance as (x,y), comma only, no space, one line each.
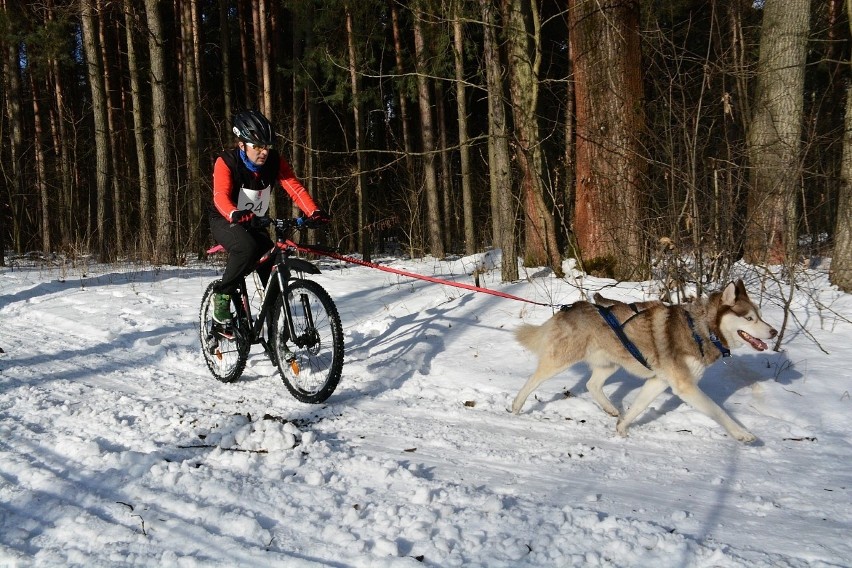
(304,336)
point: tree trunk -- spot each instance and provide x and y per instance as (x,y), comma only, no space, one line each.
(191,117)
(358,117)
(95,70)
(115,146)
(263,57)
(841,260)
(243,20)
(403,100)
(609,111)
(427,136)
(412,195)
(145,240)
(12,92)
(524,62)
(164,252)
(225,58)
(775,135)
(502,200)
(59,139)
(41,171)
(449,227)
(464,147)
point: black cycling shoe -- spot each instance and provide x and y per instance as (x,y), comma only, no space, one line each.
(223,330)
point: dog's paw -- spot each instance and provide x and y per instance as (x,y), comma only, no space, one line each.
(744,436)
(621,428)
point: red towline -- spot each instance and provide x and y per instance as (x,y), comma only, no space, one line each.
(360,262)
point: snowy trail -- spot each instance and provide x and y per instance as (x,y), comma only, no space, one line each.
(118,448)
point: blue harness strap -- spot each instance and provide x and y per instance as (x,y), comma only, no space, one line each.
(618,328)
(715,340)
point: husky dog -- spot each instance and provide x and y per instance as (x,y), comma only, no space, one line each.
(669,346)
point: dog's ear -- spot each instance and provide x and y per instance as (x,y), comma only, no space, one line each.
(741,289)
(729,294)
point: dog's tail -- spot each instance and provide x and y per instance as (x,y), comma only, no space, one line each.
(530,336)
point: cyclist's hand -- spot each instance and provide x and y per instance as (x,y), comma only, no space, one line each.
(319,217)
(242,216)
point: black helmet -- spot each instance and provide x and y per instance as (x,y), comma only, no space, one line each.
(251,126)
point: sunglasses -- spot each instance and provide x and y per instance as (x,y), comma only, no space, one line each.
(259,147)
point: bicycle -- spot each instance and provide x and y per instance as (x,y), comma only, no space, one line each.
(305,336)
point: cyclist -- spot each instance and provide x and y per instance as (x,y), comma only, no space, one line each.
(243,180)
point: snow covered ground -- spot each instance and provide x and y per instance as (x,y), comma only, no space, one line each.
(118,448)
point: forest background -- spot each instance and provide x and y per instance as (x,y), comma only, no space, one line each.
(664,137)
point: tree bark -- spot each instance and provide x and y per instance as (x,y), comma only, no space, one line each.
(225,58)
(610,120)
(358,117)
(119,221)
(264,55)
(841,261)
(524,39)
(427,136)
(774,137)
(60,143)
(403,100)
(464,145)
(95,72)
(41,171)
(502,200)
(145,240)
(164,252)
(191,114)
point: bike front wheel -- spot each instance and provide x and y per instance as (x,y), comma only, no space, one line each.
(311,361)
(226,358)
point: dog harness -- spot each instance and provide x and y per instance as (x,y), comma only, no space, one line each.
(618,328)
(715,340)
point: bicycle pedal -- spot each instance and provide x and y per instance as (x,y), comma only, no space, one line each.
(225,331)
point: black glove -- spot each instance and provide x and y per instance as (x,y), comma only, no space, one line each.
(319,217)
(242,216)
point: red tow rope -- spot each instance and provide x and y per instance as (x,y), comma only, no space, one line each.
(412,274)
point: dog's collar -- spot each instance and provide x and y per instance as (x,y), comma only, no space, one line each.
(719,345)
(715,340)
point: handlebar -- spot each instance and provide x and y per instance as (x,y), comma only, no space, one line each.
(285,224)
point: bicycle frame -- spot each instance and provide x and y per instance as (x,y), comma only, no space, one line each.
(280,275)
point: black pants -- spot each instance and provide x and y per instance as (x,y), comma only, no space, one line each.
(245,246)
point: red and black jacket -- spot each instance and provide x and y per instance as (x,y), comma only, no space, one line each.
(235,187)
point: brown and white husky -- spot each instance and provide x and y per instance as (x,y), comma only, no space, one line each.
(668,346)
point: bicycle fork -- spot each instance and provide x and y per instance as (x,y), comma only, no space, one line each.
(280,276)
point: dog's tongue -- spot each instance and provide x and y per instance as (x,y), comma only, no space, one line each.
(753,341)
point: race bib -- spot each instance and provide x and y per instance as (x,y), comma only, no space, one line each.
(256,200)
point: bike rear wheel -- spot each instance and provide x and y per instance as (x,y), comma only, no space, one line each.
(311,362)
(226,358)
